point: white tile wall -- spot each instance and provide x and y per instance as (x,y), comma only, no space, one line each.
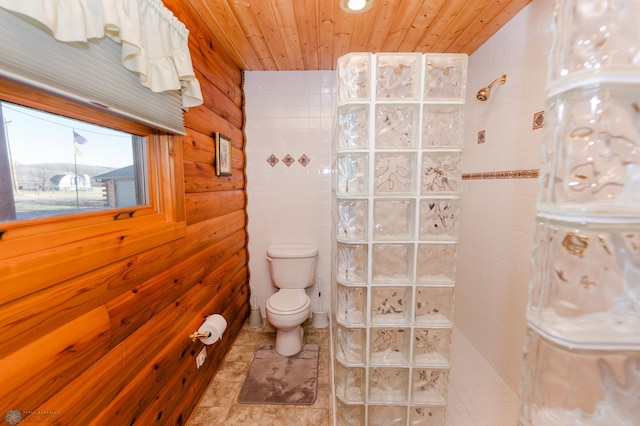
(292,113)
(497,216)
(289,113)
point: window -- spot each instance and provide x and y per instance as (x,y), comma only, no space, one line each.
(75,177)
(58,166)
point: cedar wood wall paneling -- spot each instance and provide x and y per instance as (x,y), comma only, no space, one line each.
(111,346)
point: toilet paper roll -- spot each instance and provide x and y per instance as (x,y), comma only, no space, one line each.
(214,325)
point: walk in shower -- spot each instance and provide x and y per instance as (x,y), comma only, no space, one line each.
(398,149)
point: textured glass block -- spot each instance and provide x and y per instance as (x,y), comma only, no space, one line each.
(351,302)
(398,75)
(587,281)
(396,230)
(434,306)
(442,126)
(395,173)
(352,219)
(389,345)
(392,263)
(349,383)
(353,127)
(576,386)
(427,415)
(441,172)
(349,415)
(352,170)
(436,263)
(594,39)
(397,125)
(391,305)
(352,263)
(388,384)
(354,77)
(439,219)
(432,346)
(387,415)
(429,385)
(393,219)
(445,77)
(592,133)
(350,345)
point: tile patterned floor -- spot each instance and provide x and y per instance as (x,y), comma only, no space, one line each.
(477,395)
(220,406)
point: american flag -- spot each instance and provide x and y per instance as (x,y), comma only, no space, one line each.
(79,139)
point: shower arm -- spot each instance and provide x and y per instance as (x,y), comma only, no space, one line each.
(502,80)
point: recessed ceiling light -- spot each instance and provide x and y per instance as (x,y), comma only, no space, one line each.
(356,6)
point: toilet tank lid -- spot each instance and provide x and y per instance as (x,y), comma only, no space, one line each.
(292,250)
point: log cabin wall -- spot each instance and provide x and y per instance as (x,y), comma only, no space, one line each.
(112,346)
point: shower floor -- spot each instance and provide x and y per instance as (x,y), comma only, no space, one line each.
(477,394)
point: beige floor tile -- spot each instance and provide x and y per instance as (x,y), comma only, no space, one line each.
(312,417)
(209,416)
(242,353)
(234,371)
(323,399)
(254,338)
(264,415)
(221,394)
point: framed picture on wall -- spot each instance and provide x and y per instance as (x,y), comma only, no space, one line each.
(223,154)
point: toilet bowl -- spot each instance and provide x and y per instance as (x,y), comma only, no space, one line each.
(292,269)
(286,311)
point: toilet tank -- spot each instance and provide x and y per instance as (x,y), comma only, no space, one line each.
(292,265)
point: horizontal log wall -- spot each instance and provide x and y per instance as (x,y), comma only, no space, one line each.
(112,346)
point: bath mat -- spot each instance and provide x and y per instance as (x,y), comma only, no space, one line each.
(277,379)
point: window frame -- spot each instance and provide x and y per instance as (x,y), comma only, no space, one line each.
(109,235)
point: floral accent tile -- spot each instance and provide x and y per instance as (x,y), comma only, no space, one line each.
(481,136)
(272,160)
(538,120)
(439,219)
(304,160)
(288,160)
(441,171)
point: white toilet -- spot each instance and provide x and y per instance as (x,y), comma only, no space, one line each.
(293,268)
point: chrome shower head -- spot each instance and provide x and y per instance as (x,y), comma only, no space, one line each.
(483,94)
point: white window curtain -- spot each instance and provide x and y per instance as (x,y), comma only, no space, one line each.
(154,42)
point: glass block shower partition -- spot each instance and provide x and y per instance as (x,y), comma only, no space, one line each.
(582,353)
(398,148)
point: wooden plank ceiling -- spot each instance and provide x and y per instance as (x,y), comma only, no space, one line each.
(286,35)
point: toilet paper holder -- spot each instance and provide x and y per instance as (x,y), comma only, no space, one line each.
(211,329)
(197,335)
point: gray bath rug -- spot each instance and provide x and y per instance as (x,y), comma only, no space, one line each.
(277,379)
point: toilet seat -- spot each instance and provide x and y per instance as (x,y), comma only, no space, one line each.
(288,302)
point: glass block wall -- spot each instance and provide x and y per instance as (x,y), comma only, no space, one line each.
(398,148)
(582,354)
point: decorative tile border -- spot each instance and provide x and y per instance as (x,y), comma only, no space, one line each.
(304,160)
(507,174)
(288,160)
(481,136)
(538,120)
(272,160)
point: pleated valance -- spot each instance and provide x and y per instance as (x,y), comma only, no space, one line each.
(154,42)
